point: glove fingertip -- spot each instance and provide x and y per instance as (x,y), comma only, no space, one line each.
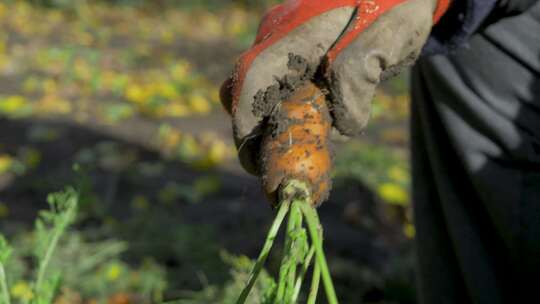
(248,155)
(350,112)
(225,95)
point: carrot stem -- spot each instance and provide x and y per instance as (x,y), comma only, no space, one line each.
(296,203)
(314,227)
(315,282)
(3,286)
(296,216)
(287,260)
(300,278)
(269,242)
(291,258)
(301,191)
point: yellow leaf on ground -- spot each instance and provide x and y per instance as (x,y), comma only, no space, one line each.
(31,84)
(113,272)
(2,10)
(167,36)
(177,110)
(6,162)
(218,152)
(189,148)
(135,93)
(53,104)
(12,104)
(180,70)
(409,230)
(22,291)
(167,90)
(82,69)
(238,22)
(393,193)
(211,24)
(50,86)
(199,104)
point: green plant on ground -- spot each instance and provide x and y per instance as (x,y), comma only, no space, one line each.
(69,265)
(5,253)
(49,228)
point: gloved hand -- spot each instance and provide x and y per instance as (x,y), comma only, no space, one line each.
(352,43)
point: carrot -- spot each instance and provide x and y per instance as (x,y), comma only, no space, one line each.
(296,163)
(296,145)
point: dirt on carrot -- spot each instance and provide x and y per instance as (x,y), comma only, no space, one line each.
(301,72)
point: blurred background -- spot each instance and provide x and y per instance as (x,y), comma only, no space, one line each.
(119,99)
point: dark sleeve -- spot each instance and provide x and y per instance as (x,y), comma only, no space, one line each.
(514,7)
(461,20)
(465,17)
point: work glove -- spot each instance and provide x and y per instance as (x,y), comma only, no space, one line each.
(348,45)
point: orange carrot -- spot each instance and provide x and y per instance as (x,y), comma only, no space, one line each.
(296,144)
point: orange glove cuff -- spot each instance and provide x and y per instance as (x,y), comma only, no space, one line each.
(442,7)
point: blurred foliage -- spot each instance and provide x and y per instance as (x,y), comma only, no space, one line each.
(96,69)
(72,268)
(379,168)
(102,54)
(137,67)
(385,171)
